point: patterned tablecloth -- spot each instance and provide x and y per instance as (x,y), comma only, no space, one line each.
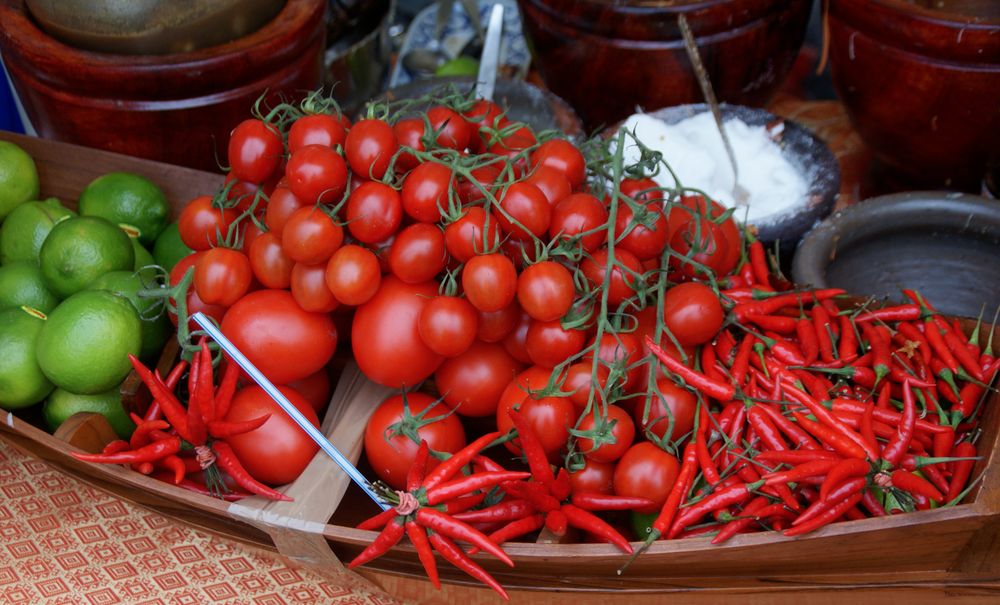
(65,542)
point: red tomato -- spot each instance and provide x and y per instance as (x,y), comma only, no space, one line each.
(271,266)
(369,147)
(671,408)
(550,417)
(551,182)
(525,211)
(594,477)
(385,337)
(489,281)
(494,326)
(483,115)
(692,313)
(453,131)
(464,237)
(693,206)
(622,351)
(316,129)
(702,242)
(200,223)
(548,344)
(222,276)
(483,177)
(409,133)
(448,325)
(563,156)
(316,174)
(580,213)
(545,290)
(244,194)
(281,206)
(425,191)
(418,253)
(277,452)
(353,274)
(374,212)
(249,231)
(512,145)
(315,388)
(646,471)
(620,285)
(516,342)
(645,233)
(473,381)
(580,380)
(285,342)
(391,453)
(642,190)
(194,304)
(309,289)
(311,236)
(254,150)
(622,432)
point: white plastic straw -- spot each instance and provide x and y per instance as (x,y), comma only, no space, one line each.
(324,444)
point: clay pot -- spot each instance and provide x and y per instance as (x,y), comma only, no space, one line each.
(606,58)
(922,86)
(175,108)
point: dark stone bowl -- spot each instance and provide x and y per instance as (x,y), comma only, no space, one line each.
(944,245)
(804,150)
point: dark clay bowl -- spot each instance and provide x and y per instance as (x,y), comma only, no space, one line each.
(804,151)
(524,102)
(944,245)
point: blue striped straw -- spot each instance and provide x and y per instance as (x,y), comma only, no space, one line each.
(324,444)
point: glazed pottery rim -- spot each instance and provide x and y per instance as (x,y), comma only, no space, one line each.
(940,18)
(817,249)
(644,6)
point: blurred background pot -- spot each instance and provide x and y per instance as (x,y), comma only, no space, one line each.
(177,108)
(357,61)
(921,83)
(606,58)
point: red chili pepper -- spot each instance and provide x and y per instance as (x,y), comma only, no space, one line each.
(153,412)
(712,388)
(819,507)
(828,420)
(508,510)
(825,518)
(378,520)
(867,428)
(773,323)
(200,488)
(741,362)
(748,474)
(228,462)
(811,468)
(907,481)
(808,339)
(482,463)
(746,517)
(968,361)
(708,361)
(848,344)
(830,437)
(227,388)
(888,416)
(944,442)
(418,536)
(897,447)
(869,501)
(171,407)
(845,469)
(387,538)
(148,453)
(939,347)
(515,529)
(598,501)
(447,525)
(461,504)
(464,485)
(961,469)
(116,446)
(823,330)
(878,341)
(758,262)
(454,555)
(533,450)
(582,519)
(725,497)
(786,352)
(142,434)
(725,344)
(930,469)
(685,477)
(175,465)
(794,457)
(740,294)
(913,334)
(794,432)
(705,461)
(535,493)
(556,522)
(220,429)
(197,388)
(449,467)
(780,301)
(766,431)
(907,312)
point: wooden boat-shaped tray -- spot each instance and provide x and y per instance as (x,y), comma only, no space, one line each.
(942,547)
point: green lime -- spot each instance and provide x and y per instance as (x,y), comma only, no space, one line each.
(24,230)
(85,343)
(21,283)
(459,66)
(169,248)
(129,199)
(80,249)
(155,327)
(642,523)
(22,382)
(18,178)
(62,404)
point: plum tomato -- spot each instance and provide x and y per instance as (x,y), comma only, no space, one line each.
(311,236)
(563,156)
(353,274)
(316,129)
(545,290)
(255,150)
(316,175)
(489,281)
(374,212)
(418,253)
(200,223)
(425,191)
(369,147)
(448,325)
(473,381)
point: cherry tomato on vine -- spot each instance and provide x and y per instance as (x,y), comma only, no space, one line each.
(316,174)
(621,284)
(563,156)
(646,471)
(483,177)
(596,477)
(700,246)
(308,285)
(222,276)
(473,381)
(621,353)
(194,303)
(311,236)
(551,182)
(353,274)
(425,191)
(550,417)
(464,237)
(448,325)
(642,190)
(526,211)
(281,206)
(316,129)
(580,380)
(409,133)
(453,132)
(645,232)
(693,207)
(516,341)
(369,147)
(489,281)
(418,253)
(374,212)
(545,290)
(622,434)
(671,408)
(692,312)
(391,453)
(577,214)
(271,265)
(254,150)
(483,115)
(200,223)
(494,326)
(244,194)
(548,344)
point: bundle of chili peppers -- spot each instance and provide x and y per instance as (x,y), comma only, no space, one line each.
(810,413)
(171,442)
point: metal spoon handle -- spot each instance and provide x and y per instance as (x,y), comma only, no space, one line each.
(488,63)
(286,405)
(706,88)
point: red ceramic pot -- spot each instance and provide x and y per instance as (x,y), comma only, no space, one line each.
(175,108)
(922,87)
(605,58)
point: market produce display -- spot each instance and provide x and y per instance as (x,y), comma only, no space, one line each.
(575,347)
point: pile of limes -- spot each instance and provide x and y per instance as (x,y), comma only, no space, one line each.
(71,309)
